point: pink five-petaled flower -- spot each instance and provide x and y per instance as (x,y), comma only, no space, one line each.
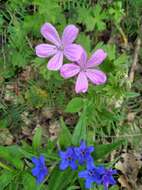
(85,69)
(59,47)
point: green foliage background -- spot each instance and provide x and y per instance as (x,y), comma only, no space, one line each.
(102,112)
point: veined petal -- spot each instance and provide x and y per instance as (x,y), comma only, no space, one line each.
(69,70)
(69,35)
(97,58)
(83,59)
(96,76)
(73,52)
(50,33)
(81,83)
(55,62)
(45,50)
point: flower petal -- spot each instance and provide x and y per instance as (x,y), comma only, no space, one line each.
(35,160)
(40,178)
(112,180)
(69,70)
(62,154)
(50,33)
(73,165)
(35,171)
(97,58)
(88,184)
(73,52)
(63,165)
(81,83)
(91,148)
(55,62)
(83,174)
(42,159)
(82,145)
(69,35)
(83,59)
(96,76)
(45,50)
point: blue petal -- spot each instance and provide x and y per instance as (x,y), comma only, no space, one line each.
(82,144)
(73,165)
(62,154)
(100,170)
(88,184)
(35,171)
(81,161)
(90,165)
(40,178)
(45,170)
(91,149)
(77,150)
(63,165)
(113,172)
(97,179)
(83,174)
(42,160)
(35,160)
(112,181)
(90,159)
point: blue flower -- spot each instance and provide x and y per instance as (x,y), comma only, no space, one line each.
(68,158)
(40,171)
(92,175)
(107,178)
(84,153)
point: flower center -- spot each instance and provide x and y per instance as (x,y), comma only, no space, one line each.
(92,173)
(60,48)
(69,158)
(83,152)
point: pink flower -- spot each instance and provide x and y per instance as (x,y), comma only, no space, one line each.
(61,47)
(85,70)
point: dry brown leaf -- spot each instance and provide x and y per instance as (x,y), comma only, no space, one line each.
(124,183)
(129,165)
(6,137)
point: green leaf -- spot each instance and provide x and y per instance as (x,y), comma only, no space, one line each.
(85,41)
(61,179)
(65,135)
(80,130)
(102,150)
(132,94)
(37,138)
(29,182)
(4,123)
(5,179)
(74,105)
(8,153)
(85,17)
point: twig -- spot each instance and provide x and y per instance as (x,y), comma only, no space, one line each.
(135,60)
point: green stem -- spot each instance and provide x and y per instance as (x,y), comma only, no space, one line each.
(122,34)
(6,167)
